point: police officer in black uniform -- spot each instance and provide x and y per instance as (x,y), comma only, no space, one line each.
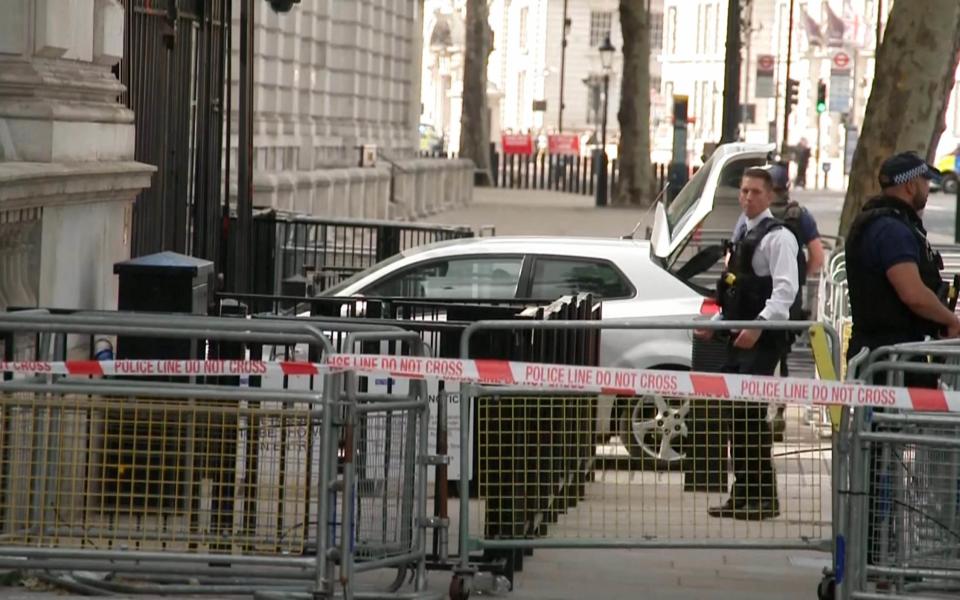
(761,282)
(893,274)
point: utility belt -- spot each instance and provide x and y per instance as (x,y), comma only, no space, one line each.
(743,297)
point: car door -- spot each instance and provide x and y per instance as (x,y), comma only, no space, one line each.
(687,233)
(708,201)
(463,277)
(554,276)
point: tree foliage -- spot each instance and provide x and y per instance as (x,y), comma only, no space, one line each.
(915,70)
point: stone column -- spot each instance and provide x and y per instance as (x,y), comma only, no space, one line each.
(67,174)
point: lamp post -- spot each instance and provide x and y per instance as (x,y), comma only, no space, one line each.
(563,63)
(606,59)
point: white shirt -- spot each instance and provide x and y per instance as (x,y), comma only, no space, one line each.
(776,255)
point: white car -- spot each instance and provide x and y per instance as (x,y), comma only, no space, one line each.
(637,279)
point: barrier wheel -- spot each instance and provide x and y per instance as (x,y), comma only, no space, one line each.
(458,588)
(827,589)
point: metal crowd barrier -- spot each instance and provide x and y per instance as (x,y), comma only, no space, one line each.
(546,481)
(185,487)
(899,504)
(833,308)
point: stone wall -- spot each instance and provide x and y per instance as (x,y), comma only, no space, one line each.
(67,174)
(420,187)
(332,76)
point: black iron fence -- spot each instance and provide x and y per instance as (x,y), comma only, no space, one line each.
(441,322)
(574,174)
(543,171)
(437,154)
(175,69)
(302,255)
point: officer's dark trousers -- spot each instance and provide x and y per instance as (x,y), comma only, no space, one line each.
(750,434)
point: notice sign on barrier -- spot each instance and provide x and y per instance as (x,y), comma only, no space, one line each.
(451,395)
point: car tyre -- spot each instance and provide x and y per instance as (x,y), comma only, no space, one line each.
(950,183)
(646,411)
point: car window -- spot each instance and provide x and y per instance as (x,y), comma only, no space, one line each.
(470,277)
(555,277)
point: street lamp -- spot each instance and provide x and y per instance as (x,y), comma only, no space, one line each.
(606,59)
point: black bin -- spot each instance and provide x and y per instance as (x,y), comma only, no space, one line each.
(164,282)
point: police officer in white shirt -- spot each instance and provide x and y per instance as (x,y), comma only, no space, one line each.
(760,282)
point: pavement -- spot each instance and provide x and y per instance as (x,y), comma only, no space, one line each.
(535,212)
(656,573)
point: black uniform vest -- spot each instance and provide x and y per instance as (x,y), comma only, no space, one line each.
(741,293)
(879,316)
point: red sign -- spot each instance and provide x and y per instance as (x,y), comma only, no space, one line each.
(514,143)
(765,62)
(564,144)
(841,61)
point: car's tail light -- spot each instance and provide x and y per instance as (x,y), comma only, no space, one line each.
(709,307)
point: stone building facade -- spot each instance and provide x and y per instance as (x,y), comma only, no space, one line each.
(332,76)
(67,174)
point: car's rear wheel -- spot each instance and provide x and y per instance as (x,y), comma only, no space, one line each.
(652,428)
(950,183)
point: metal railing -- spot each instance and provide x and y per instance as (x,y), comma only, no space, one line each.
(441,323)
(574,174)
(530,496)
(303,255)
(899,520)
(255,486)
(182,130)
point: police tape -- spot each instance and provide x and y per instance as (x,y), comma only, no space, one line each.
(551,377)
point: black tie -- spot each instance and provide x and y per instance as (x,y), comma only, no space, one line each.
(741,232)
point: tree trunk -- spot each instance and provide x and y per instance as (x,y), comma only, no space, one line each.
(475,120)
(915,71)
(635,181)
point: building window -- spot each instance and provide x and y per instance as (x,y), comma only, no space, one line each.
(672,27)
(699,88)
(717,105)
(656,32)
(707,115)
(521,98)
(523,28)
(594,85)
(655,83)
(600,25)
(699,27)
(709,32)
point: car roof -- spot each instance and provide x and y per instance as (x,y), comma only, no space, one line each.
(558,245)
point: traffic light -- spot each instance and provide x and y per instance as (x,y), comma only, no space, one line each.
(821,98)
(792,91)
